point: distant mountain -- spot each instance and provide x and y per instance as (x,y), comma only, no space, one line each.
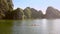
(27,12)
(52,13)
(36,14)
(32,13)
(40,14)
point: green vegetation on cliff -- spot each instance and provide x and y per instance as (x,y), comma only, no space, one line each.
(7,12)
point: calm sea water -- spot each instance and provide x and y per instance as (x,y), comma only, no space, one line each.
(37,26)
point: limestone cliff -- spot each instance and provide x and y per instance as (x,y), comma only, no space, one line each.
(36,14)
(5,6)
(32,13)
(27,12)
(52,13)
(18,14)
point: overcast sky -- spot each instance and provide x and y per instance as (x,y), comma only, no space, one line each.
(37,4)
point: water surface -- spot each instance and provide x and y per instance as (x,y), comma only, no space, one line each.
(37,26)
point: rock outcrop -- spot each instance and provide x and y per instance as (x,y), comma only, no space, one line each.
(40,14)
(27,13)
(18,14)
(32,13)
(10,4)
(36,14)
(52,13)
(5,6)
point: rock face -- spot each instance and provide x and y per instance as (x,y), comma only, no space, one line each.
(36,14)
(27,12)
(17,14)
(5,6)
(52,13)
(32,13)
(10,4)
(40,14)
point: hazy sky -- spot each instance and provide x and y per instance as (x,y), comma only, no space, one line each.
(37,4)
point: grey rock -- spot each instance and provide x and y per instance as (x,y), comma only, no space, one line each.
(52,13)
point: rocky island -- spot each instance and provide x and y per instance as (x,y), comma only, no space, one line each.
(52,13)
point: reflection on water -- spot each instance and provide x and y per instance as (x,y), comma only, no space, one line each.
(38,26)
(5,27)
